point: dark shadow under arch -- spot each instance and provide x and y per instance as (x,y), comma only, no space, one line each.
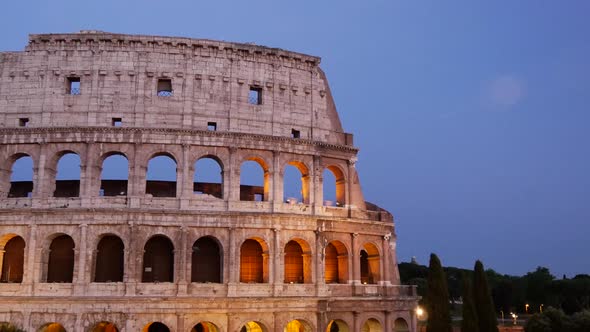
(206,261)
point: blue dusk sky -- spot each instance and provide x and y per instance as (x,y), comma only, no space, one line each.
(472,117)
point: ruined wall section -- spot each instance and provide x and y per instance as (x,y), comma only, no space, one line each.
(211,82)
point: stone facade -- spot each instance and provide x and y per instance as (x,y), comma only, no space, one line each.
(280,265)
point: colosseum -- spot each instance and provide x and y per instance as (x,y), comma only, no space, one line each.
(83,249)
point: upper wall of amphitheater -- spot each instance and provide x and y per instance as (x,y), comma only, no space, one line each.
(102,79)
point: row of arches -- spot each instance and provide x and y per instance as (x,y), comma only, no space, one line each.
(297,325)
(206,260)
(161,178)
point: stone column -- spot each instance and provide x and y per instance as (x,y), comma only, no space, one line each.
(233,181)
(320,278)
(187,180)
(233,258)
(388,326)
(317,199)
(132,275)
(356,268)
(81,275)
(385,274)
(277,257)
(277,179)
(181,267)
(88,174)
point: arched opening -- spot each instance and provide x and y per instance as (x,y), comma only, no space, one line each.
(253,262)
(208,179)
(294,263)
(155,327)
(336,260)
(67,179)
(372,325)
(253,327)
(12,261)
(52,327)
(21,178)
(109,259)
(161,176)
(114,176)
(297,326)
(254,180)
(400,325)
(337,326)
(333,186)
(296,183)
(104,327)
(158,260)
(369,264)
(204,327)
(60,266)
(206,261)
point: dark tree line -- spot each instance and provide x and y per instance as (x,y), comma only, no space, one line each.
(539,289)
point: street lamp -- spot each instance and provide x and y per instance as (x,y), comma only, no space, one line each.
(541,308)
(419,312)
(526,308)
(514,317)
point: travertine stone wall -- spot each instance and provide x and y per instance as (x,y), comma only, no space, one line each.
(295,124)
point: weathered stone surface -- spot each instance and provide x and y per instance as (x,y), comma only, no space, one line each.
(208,112)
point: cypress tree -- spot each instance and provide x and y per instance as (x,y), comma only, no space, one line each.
(469,322)
(484,306)
(437,298)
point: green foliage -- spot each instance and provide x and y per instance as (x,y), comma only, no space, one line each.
(7,327)
(469,322)
(437,298)
(511,293)
(482,299)
(554,320)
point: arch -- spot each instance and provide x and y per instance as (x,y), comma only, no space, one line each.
(254,261)
(158,260)
(297,262)
(67,178)
(297,325)
(104,326)
(372,325)
(109,259)
(336,263)
(60,266)
(254,180)
(12,261)
(208,178)
(296,183)
(337,326)
(370,264)
(51,327)
(205,327)
(161,176)
(253,326)
(206,260)
(114,176)
(21,176)
(155,327)
(334,186)
(400,325)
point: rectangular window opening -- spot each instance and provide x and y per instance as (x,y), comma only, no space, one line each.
(212,126)
(255,96)
(73,87)
(23,122)
(258,197)
(117,122)
(295,133)
(164,87)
